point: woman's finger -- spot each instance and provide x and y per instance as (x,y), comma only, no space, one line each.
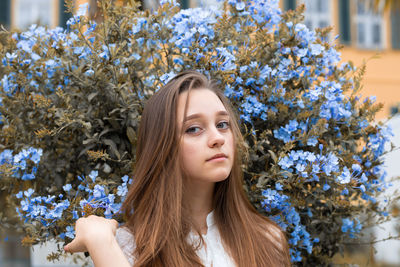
(75,246)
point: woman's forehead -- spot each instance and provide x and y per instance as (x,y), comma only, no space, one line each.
(200,102)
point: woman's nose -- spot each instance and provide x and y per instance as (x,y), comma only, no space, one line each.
(216,138)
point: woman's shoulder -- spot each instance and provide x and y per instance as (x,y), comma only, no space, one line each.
(123,232)
(126,241)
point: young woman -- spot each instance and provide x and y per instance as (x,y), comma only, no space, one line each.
(186,205)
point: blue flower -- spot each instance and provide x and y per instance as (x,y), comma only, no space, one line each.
(6,157)
(81,187)
(93,175)
(75,215)
(312,141)
(125,178)
(82,9)
(239,80)
(178,61)
(28,176)
(25,45)
(141,22)
(316,49)
(58,209)
(36,154)
(363,178)
(105,54)
(50,63)
(326,187)
(345,176)
(89,72)
(35,57)
(98,191)
(278,187)
(29,192)
(122,190)
(7,85)
(356,168)
(67,187)
(286,163)
(167,76)
(62,236)
(240,6)
(70,232)
(301,52)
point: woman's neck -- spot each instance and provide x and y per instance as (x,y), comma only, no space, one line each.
(199,195)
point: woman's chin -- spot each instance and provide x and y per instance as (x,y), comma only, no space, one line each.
(218,177)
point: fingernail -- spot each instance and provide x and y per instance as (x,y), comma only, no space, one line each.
(66,248)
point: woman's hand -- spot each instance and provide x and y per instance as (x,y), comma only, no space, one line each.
(97,236)
(91,231)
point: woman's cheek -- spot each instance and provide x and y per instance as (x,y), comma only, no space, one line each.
(190,151)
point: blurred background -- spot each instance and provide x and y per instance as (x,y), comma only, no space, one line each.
(369,31)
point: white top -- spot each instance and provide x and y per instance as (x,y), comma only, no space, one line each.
(211,255)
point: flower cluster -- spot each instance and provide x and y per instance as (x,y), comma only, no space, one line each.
(22,164)
(193,25)
(49,210)
(299,237)
(351,226)
(309,165)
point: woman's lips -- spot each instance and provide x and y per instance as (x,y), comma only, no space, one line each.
(218,157)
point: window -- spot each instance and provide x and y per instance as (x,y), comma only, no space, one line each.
(395,27)
(394,110)
(207,3)
(289,4)
(5,13)
(150,4)
(318,13)
(361,33)
(369,26)
(344,21)
(28,12)
(184,4)
(64,16)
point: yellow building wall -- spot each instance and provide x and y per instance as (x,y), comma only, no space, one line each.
(382,77)
(80,2)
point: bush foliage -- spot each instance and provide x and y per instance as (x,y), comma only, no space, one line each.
(71,102)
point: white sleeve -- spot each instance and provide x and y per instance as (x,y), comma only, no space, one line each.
(127,243)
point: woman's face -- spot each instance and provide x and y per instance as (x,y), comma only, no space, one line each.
(207,146)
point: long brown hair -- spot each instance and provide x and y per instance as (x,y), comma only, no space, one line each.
(155,209)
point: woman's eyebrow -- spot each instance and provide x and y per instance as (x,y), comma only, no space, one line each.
(199,115)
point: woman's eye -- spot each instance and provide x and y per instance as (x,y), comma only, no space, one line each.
(223,125)
(193,130)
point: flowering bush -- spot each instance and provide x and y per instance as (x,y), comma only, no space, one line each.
(71,102)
